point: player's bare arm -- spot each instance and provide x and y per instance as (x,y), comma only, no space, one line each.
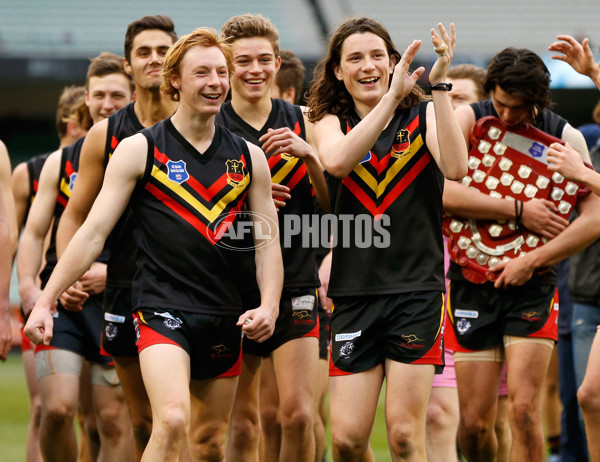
(20,189)
(340,153)
(122,174)
(87,186)
(269,264)
(9,202)
(39,221)
(539,215)
(5,272)
(583,231)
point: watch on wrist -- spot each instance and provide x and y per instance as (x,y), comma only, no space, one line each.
(441,86)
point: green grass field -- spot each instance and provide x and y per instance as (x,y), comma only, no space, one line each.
(14,405)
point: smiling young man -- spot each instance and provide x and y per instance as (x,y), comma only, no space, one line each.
(146,43)
(492,316)
(282,131)
(188,311)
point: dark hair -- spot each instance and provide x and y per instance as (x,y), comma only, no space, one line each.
(327,94)
(68,103)
(521,72)
(248,26)
(106,64)
(291,74)
(469,72)
(158,22)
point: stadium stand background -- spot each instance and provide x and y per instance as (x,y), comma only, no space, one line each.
(46,44)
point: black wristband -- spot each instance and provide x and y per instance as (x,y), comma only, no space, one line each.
(441,86)
(518,213)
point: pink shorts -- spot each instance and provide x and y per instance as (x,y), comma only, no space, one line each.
(447,379)
(503,388)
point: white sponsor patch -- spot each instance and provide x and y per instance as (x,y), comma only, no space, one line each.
(466,314)
(114,318)
(305,302)
(346,337)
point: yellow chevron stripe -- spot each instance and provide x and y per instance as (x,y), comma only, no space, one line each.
(64,187)
(283,171)
(371,181)
(210,214)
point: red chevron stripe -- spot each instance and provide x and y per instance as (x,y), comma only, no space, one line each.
(194,221)
(69,168)
(62,200)
(297,177)
(369,203)
(180,211)
(207,194)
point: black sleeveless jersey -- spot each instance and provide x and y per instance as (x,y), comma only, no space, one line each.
(34,169)
(548,122)
(389,214)
(182,208)
(121,243)
(299,262)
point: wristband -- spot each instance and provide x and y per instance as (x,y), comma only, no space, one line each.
(441,86)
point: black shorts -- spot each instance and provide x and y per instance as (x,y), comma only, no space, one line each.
(367,330)
(213,343)
(80,331)
(298,318)
(324,337)
(118,334)
(482,315)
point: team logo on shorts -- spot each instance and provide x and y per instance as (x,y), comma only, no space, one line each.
(531,316)
(410,341)
(177,171)
(462,325)
(235,172)
(401,143)
(170,321)
(111,331)
(347,349)
(72,178)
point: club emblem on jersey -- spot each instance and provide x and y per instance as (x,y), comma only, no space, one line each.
(462,325)
(72,178)
(235,171)
(401,143)
(177,171)
(110,331)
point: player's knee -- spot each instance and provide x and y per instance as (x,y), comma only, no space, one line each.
(439,418)
(56,416)
(270,417)
(403,440)
(172,425)
(110,424)
(298,420)
(244,430)
(588,398)
(474,427)
(208,444)
(348,447)
(525,415)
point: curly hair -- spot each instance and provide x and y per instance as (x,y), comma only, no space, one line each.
(520,72)
(328,95)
